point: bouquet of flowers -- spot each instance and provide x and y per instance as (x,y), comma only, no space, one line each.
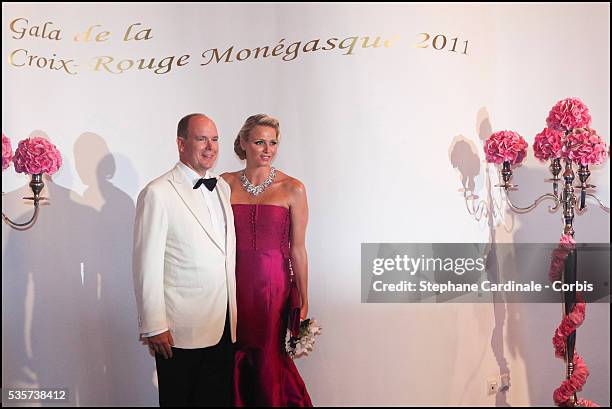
(568,114)
(303,343)
(7,152)
(505,146)
(585,147)
(548,144)
(37,155)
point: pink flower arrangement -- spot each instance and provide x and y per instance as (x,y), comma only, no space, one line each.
(505,146)
(585,147)
(548,144)
(568,325)
(557,263)
(7,152)
(569,387)
(37,155)
(568,114)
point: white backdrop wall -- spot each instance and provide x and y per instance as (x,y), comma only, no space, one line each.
(381,137)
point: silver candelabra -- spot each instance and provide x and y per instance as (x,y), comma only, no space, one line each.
(37,185)
(571,206)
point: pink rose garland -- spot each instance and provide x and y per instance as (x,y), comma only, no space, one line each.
(567,114)
(585,147)
(568,325)
(505,146)
(548,144)
(7,152)
(37,155)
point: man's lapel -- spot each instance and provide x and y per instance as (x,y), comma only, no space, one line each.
(227,208)
(194,203)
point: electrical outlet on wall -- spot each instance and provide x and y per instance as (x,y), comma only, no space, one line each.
(492,386)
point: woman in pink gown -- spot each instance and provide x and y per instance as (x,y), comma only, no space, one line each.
(270,215)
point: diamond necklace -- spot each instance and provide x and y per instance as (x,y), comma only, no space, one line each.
(256,190)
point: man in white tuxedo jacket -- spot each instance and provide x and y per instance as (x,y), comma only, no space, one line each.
(184,273)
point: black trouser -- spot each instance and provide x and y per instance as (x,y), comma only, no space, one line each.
(198,377)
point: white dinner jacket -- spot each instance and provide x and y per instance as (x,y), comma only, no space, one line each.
(183,279)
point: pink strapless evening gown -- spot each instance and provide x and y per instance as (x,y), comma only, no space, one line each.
(264,374)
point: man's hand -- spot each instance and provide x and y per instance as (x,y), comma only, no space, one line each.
(161,344)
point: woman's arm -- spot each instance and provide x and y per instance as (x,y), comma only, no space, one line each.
(299,258)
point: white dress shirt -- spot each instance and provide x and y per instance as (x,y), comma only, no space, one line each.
(217,216)
(212,200)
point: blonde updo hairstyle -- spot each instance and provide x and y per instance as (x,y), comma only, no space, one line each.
(249,124)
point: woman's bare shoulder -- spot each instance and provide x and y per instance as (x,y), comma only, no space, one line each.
(293,186)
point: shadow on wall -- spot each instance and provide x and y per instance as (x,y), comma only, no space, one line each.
(465,156)
(69,315)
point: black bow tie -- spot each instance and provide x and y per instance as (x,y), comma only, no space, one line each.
(209,183)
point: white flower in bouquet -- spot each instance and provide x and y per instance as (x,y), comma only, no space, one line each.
(304,342)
